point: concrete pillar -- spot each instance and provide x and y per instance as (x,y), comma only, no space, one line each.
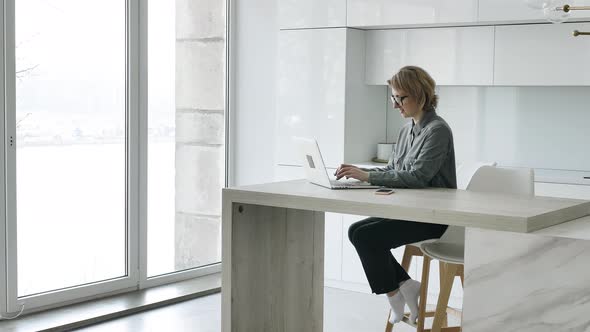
(200,146)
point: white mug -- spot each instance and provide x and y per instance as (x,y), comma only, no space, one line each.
(384,150)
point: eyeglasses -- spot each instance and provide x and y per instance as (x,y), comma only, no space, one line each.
(398,99)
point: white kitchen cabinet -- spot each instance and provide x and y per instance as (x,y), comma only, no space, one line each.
(321,94)
(507,10)
(352,268)
(288,173)
(562,190)
(541,55)
(513,11)
(453,56)
(311,13)
(375,13)
(333,246)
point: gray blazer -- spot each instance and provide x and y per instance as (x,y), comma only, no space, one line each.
(424,157)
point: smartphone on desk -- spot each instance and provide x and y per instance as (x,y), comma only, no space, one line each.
(384,191)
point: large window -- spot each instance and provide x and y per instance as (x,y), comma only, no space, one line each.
(113,163)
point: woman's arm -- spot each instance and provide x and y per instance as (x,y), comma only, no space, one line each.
(360,173)
(429,161)
(378,169)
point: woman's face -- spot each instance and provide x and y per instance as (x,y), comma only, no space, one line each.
(405,103)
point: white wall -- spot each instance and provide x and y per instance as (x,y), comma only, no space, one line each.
(254,51)
(538,127)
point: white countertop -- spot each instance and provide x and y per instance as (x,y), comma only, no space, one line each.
(446,206)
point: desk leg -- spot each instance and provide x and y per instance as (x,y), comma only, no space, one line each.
(276,281)
(525,282)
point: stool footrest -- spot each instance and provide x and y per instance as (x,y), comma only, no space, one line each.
(454,312)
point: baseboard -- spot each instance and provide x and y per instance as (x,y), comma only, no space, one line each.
(348,285)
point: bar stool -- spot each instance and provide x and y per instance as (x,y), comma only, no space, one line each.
(449,249)
(465,173)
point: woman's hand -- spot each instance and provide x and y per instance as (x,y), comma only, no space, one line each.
(351,171)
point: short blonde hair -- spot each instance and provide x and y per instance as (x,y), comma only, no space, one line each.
(418,84)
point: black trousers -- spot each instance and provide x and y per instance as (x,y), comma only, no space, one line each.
(374,238)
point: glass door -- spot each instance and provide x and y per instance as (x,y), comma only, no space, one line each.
(68,117)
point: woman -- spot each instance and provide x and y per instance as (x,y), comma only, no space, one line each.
(424,157)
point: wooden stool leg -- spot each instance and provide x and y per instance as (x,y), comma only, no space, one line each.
(443,297)
(407,259)
(388,326)
(441,274)
(423,294)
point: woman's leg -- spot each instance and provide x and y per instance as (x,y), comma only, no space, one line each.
(374,239)
(360,223)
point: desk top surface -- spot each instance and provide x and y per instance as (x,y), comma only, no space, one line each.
(435,205)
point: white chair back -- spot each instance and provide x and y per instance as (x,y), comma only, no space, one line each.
(487,178)
(465,172)
(516,181)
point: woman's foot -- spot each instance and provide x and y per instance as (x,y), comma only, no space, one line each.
(410,290)
(397,304)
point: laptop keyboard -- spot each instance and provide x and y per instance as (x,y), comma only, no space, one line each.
(340,184)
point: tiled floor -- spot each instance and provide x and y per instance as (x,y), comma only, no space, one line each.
(345,311)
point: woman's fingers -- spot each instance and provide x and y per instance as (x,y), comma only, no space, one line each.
(351,172)
(348,173)
(345,170)
(340,175)
(341,171)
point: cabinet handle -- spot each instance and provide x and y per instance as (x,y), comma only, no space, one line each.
(567,8)
(581,33)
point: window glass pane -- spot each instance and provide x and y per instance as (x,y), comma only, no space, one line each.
(70,110)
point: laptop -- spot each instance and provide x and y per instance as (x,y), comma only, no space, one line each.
(315,169)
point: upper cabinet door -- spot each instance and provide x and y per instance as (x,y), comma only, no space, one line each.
(371,13)
(507,10)
(311,93)
(542,54)
(311,13)
(453,56)
(518,11)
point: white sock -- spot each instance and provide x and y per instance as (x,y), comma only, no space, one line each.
(397,303)
(410,289)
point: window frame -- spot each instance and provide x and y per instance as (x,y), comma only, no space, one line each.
(3,267)
(125,283)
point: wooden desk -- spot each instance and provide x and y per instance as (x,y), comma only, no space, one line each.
(273,241)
